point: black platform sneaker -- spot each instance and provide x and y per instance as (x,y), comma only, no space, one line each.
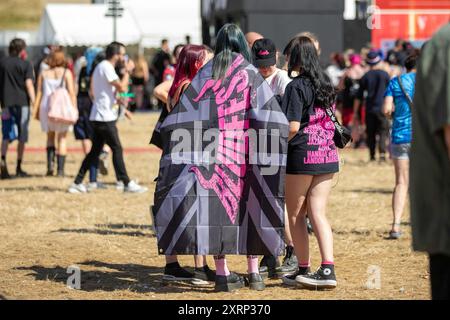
(268,266)
(228,283)
(290,263)
(290,278)
(255,282)
(174,272)
(323,278)
(203,276)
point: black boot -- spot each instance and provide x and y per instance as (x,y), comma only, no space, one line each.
(61,161)
(4,170)
(19,172)
(50,161)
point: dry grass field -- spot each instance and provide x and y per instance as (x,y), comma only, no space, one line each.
(107,234)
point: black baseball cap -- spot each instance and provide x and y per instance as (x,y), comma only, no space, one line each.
(264,53)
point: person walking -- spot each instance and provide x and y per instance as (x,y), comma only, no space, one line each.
(430,161)
(372,87)
(398,104)
(104,115)
(312,162)
(17,94)
(57,76)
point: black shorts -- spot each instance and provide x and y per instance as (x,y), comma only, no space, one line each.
(83,128)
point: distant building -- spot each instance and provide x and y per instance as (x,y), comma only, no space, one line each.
(279,20)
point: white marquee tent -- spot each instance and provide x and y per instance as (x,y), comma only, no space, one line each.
(144,22)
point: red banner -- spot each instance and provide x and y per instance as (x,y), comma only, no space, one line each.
(413,4)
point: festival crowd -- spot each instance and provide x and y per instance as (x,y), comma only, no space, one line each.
(361,99)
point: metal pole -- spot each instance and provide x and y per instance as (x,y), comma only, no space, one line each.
(115,28)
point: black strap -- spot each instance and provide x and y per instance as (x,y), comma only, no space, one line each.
(63,78)
(408,98)
(333,118)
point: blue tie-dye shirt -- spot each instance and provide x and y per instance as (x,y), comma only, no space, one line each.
(401,125)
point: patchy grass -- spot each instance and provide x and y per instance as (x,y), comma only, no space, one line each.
(108,235)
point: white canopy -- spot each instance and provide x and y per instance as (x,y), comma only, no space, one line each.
(170,19)
(85,25)
(143,22)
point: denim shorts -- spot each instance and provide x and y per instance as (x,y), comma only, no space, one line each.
(400,151)
(15,121)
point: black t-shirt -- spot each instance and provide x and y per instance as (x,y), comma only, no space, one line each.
(311,150)
(159,63)
(13,73)
(374,83)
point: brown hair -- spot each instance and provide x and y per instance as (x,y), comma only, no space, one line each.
(57,59)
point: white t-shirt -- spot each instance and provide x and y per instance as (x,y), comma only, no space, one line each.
(278,81)
(104,108)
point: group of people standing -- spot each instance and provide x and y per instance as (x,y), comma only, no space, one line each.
(92,98)
(299,97)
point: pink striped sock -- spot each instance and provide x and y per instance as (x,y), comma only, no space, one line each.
(252,262)
(221,266)
(328,262)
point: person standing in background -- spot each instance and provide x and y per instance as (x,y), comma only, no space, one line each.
(139,79)
(430,161)
(398,104)
(17,94)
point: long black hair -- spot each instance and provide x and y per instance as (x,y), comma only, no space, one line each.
(229,39)
(303,56)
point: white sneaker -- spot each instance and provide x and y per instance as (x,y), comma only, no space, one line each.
(95,186)
(77,188)
(119,185)
(133,187)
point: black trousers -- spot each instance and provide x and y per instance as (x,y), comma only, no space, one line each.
(105,132)
(440,276)
(377,124)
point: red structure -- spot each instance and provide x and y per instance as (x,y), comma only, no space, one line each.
(413,20)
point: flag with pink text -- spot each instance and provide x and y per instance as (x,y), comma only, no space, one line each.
(220,188)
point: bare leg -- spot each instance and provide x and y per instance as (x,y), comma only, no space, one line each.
(171,259)
(287,230)
(62,145)
(50,139)
(5,144)
(20,150)
(86,144)
(200,261)
(400,191)
(317,203)
(297,187)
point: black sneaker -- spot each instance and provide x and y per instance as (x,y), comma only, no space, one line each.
(268,266)
(255,282)
(323,278)
(174,272)
(228,283)
(290,278)
(203,276)
(290,263)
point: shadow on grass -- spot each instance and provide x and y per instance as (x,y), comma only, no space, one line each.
(130,277)
(125,226)
(106,232)
(31,189)
(371,190)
